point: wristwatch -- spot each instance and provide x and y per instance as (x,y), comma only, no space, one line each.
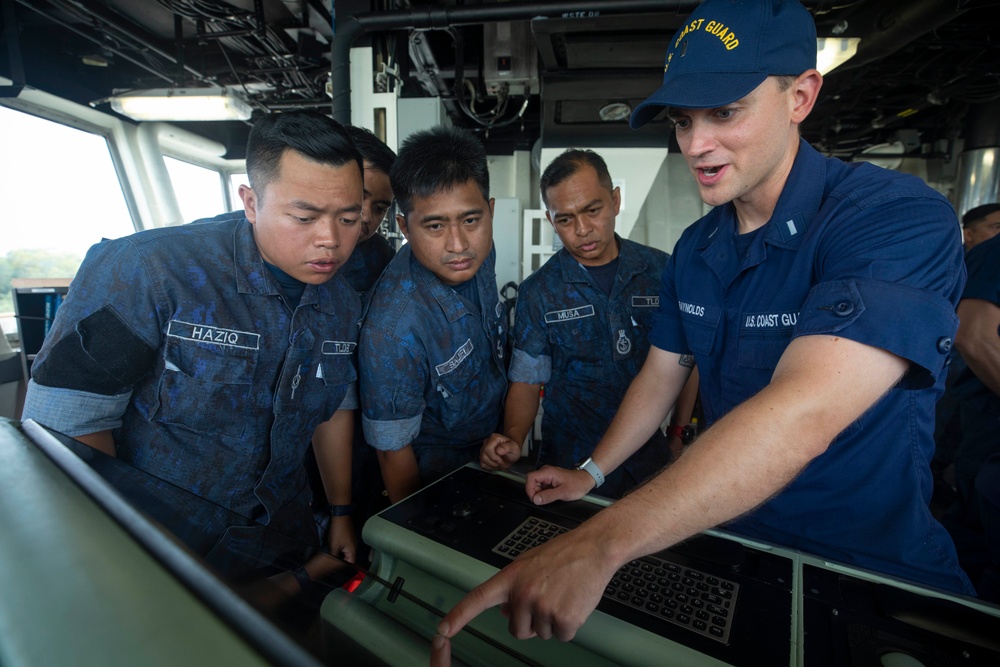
(591,468)
(686,433)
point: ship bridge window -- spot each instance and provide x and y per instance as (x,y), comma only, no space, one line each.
(59,194)
(199,190)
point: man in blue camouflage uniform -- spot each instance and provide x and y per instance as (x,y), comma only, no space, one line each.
(208,355)
(818,299)
(432,346)
(369,259)
(374,251)
(581,329)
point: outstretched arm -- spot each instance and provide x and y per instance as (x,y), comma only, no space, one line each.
(649,397)
(821,385)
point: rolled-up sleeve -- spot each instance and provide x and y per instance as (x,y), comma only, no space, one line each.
(860,310)
(350,401)
(892,281)
(104,339)
(531,361)
(392,379)
(73,412)
(528,369)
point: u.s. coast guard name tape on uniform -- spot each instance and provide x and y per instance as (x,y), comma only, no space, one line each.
(770,320)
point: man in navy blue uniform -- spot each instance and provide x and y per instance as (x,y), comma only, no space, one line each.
(581,329)
(209,355)
(433,373)
(818,299)
(980,224)
(974,519)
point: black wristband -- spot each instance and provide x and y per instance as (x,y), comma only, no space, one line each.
(341,510)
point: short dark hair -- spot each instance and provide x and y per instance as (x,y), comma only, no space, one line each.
(568,163)
(976,215)
(311,133)
(438,159)
(372,148)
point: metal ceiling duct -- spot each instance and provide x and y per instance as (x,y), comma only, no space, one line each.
(979,169)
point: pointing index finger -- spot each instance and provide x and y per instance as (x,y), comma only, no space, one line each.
(490,593)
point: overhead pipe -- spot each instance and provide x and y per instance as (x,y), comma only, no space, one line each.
(885,28)
(98,39)
(353,27)
(979,170)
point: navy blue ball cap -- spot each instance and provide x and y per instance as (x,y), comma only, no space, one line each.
(726,48)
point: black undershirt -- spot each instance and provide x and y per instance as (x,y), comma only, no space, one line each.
(291,288)
(604,275)
(744,241)
(470,291)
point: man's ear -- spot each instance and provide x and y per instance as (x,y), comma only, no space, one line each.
(249,198)
(616,200)
(401,223)
(805,92)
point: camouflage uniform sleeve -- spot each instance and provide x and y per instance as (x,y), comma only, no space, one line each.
(393,375)
(531,361)
(104,339)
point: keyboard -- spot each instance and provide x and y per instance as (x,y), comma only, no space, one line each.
(700,602)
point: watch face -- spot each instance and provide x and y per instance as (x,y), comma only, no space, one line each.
(582,462)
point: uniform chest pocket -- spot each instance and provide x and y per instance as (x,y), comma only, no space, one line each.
(701,326)
(313,386)
(643,318)
(466,391)
(586,370)
(760,350)
(338,374)
(206,387)
(575,337)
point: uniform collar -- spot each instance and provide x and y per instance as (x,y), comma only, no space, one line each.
(252,277)
(451,304)
(796,208)
(630,264)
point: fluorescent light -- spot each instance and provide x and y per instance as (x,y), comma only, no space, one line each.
(181,104)
(832,52)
